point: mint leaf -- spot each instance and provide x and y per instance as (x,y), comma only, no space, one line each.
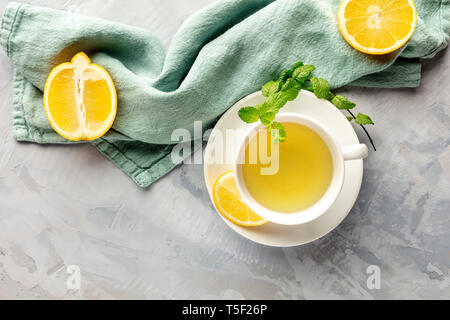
(303,73)
(298,64)
(270,88)
(350,119)
(278,132)
(342,103)
(321,87)
(330,96)
(363,119)
(291,89)
(307,86)
(275,102)
(284,77)
(290,83)
(267,118)
(249,114)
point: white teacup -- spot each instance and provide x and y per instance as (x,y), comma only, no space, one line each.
(339,156)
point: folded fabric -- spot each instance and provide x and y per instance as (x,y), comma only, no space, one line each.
(221,54)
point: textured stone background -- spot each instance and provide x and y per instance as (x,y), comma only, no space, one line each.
(69,205)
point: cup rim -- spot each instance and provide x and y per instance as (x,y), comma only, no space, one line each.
(326,201)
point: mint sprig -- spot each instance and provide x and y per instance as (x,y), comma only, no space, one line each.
(285,89)
(363,119)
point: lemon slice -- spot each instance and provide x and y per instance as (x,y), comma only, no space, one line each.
(80,99)
(229,203)
(377,26)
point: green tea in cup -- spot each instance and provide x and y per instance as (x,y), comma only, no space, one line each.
(304,169)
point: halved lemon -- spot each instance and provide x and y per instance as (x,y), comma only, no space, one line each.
(80,99)
(229,203)
(377,26)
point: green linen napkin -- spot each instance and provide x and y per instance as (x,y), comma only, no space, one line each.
(221,54)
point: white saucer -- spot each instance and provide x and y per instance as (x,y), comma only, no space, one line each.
(279,235)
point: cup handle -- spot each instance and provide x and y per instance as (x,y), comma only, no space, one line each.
(355,152)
